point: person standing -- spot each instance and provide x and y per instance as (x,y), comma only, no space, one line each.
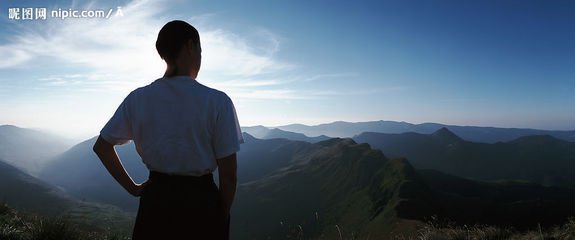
(183,131)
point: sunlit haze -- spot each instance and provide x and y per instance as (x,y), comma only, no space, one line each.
(483,63)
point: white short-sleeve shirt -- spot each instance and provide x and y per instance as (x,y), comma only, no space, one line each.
(178,125)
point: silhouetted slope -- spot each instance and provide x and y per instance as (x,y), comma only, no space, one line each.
(331,182)
(542,159)
(339,182)
(25,192)
(259,131)
(446,136)
(348,129)
(469,133)
(262,132)
(258,157)
(520,205)
(28,149)
(285,185)
(81,174)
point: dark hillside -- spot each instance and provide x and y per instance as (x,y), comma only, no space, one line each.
(541,159)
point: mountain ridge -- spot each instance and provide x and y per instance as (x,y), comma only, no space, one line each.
(26,192)
(86,178)
(542,159)
(29,149)
(364,190)
(262,132)
(469,133)
(339,183)
(359,189)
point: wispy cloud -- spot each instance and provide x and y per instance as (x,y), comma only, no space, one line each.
(371,91)
(119,53)
(328,76)
(273,94)
(65,67)
(229,54)
(15,56)
(119,47)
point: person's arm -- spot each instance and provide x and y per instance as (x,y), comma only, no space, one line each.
(227,169)
(111,161)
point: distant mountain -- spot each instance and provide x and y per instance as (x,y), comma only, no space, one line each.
(469,133)
(348,129)
(295,189)
(262,132)
(542,159)
(80,172)
(258,157)
(33,197)
(445,136)
(28,149)
(366,195)
(334,182)
(25,192)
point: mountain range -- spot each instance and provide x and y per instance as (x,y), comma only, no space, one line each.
(304,189)
(541,159)
(370,186)
(262,132)
(38,199)
(80,172)
(26,192)
(334,182)
(29,149)
(469,133)
(365,194)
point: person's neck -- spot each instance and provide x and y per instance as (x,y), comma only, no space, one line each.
(181,71)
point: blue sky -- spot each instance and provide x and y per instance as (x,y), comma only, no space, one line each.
(485,63)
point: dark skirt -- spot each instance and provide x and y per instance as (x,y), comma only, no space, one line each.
(180,207)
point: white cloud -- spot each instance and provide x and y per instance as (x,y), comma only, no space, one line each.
(96,62)
(119,53)
(73,73)
(230,54)
(14,57)
(273,94)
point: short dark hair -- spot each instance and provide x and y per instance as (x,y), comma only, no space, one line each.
(172,37)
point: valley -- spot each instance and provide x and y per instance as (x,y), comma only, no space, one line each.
(375,185)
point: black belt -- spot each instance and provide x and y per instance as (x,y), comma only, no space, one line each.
(180,178)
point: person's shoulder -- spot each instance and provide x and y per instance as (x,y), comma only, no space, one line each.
(140,91)
(145,88)
(215,93)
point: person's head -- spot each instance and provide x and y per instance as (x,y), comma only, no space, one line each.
(178,44)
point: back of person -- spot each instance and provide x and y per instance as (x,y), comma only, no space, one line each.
(183,131)
(175,119)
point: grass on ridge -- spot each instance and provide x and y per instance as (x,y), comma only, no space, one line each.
(19,226)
